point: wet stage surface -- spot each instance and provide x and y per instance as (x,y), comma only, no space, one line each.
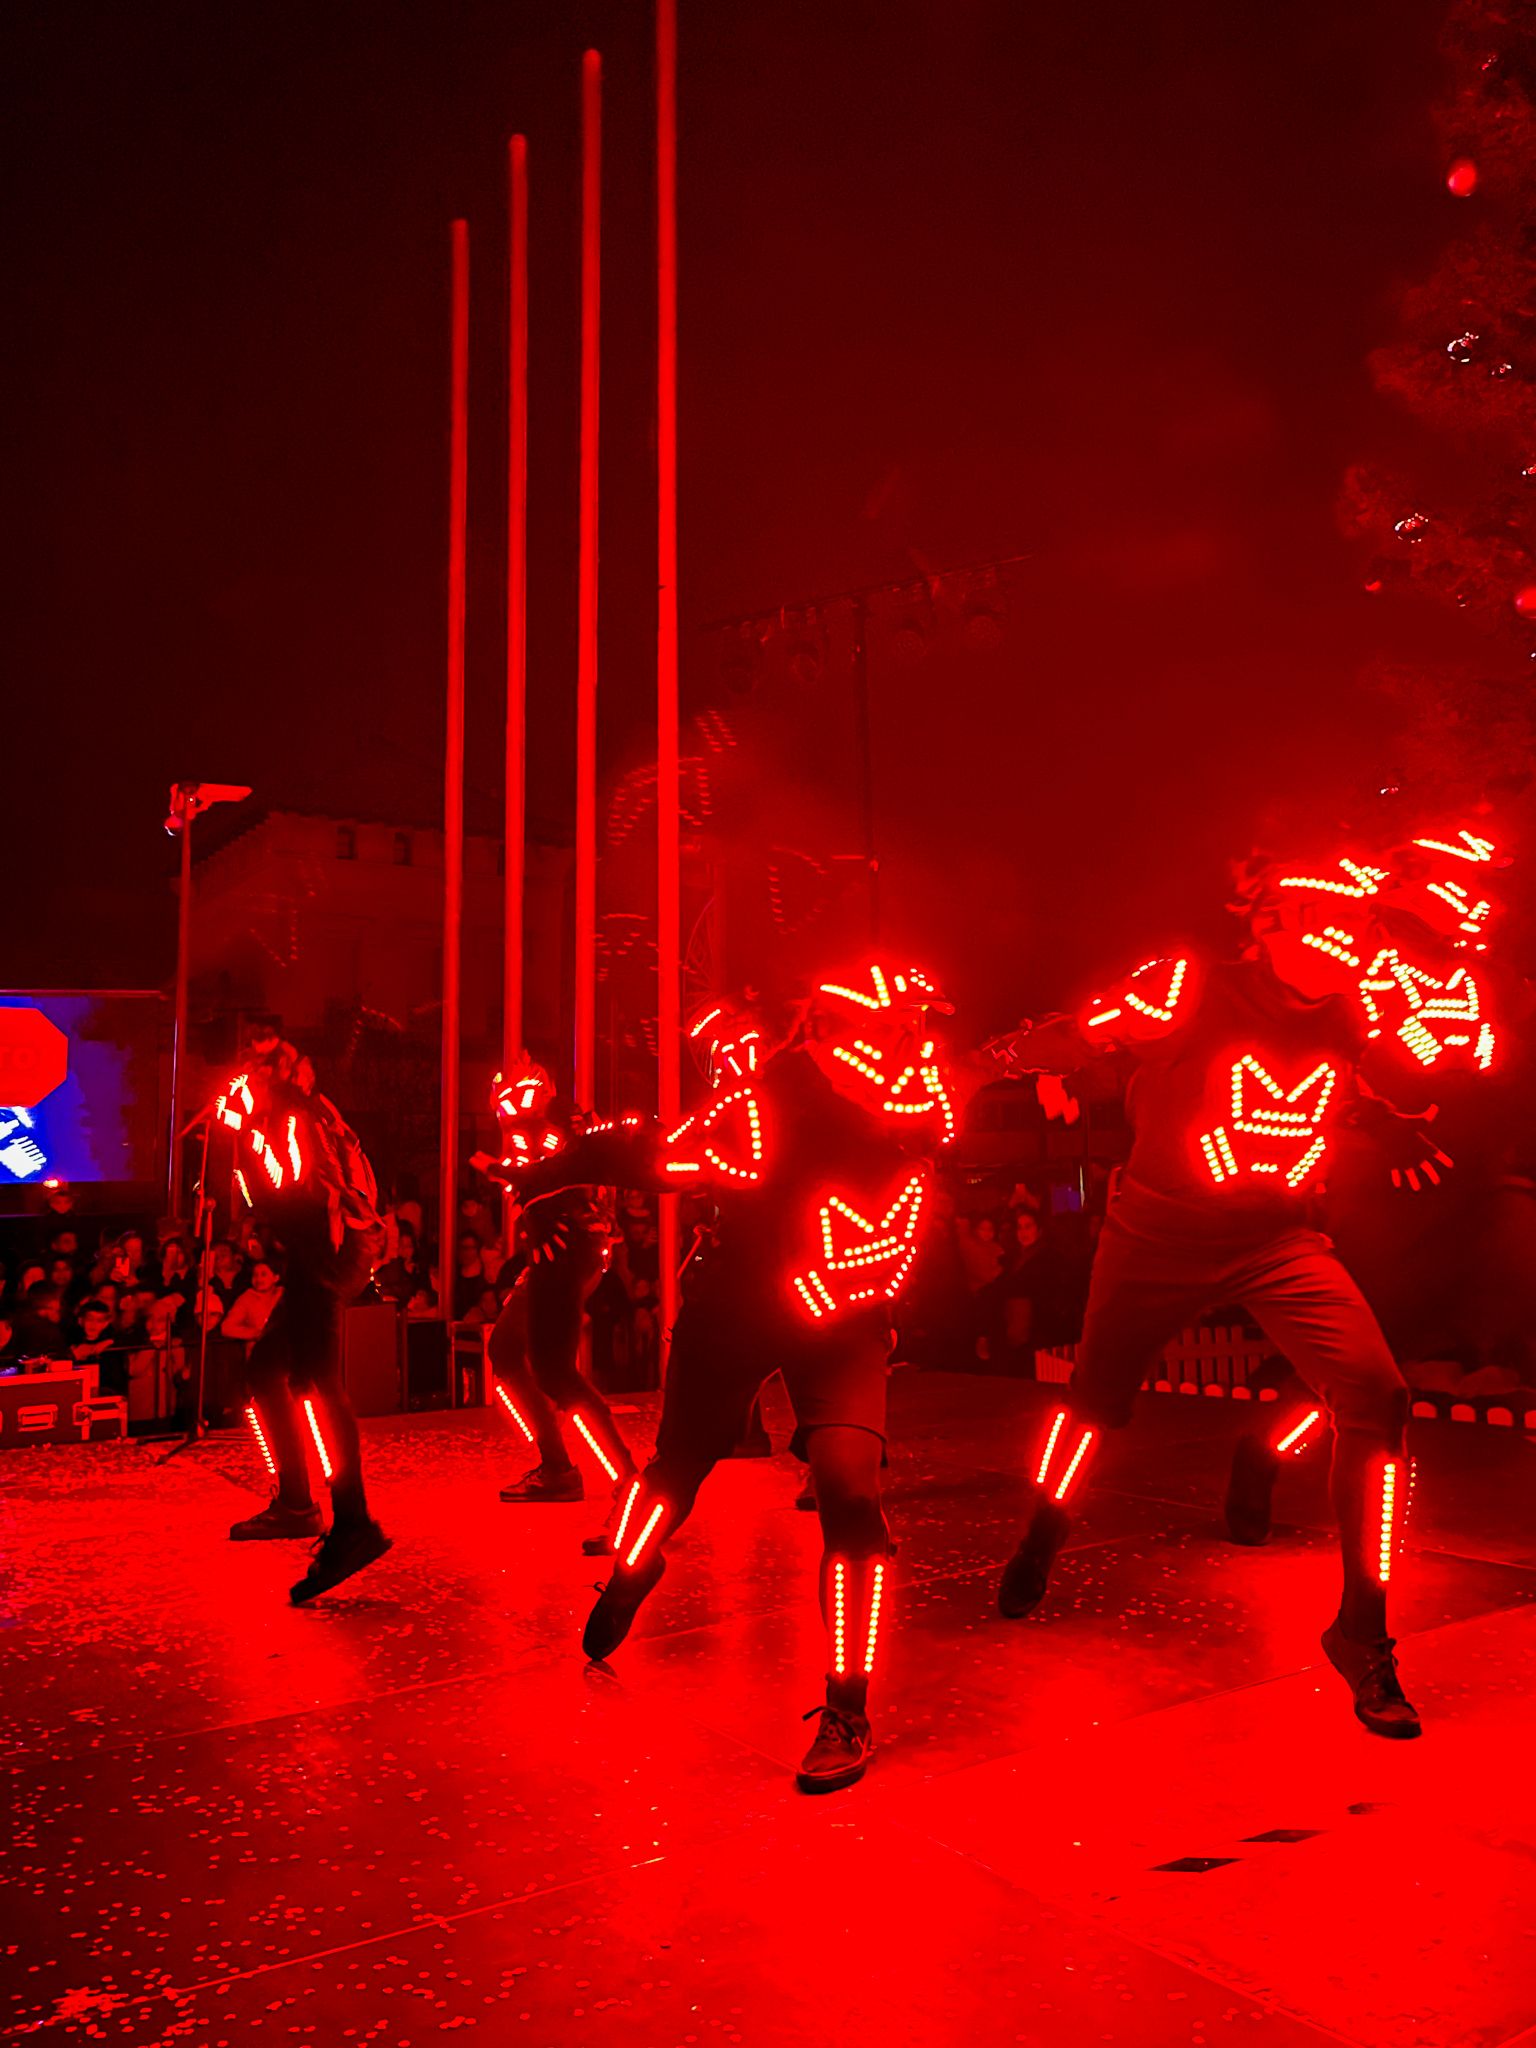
(410,1810)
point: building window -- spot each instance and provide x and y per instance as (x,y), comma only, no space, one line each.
(402,849)
(346,843)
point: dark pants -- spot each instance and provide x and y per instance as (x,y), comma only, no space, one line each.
(1143,1291)
(299,1354)
(536,1351)
(722,1351)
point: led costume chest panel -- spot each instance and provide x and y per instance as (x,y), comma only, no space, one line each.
(1231,1112)
(1271,1129)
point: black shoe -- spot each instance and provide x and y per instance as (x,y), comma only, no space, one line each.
(840,1754)
(344,1550)
(1370,1671)
(1028,1572)
(617,1605)
(1250,1489)
(277,1520)
(543,1485)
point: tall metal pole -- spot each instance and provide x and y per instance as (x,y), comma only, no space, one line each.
(668,839)
(585,1011)
(174,1174)
(515,828)
(453,767)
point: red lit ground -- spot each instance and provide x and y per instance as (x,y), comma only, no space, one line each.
(410,1810)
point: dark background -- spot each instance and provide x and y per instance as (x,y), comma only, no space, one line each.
(1092,284)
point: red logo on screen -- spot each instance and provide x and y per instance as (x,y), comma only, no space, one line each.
(34,1058)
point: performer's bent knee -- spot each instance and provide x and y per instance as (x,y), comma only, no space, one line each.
(1374,1405)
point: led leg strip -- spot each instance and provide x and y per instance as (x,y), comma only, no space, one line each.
(629,1508)
(1389,1473)
(839,1619)
(261,1439)
(645,1534)
(1072,1464)
(595,1447)
(1292,1440)
(1057,1427)
(314,1429)
(874,1616)
(511,1407)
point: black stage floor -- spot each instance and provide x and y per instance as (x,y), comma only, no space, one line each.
(411,1810)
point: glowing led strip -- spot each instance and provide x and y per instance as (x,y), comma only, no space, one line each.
(1388,1516)
(1295,1435)
(839,1620)
(320,1451)
(260,1435)
(1076,1459)
(1364,881)
(1050,1445)
(511,1407)
(644,1537)
(629,1508)
(595,1447)
(874,1617)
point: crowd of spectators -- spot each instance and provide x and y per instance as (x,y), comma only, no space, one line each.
(71,1291)
(1000,1275)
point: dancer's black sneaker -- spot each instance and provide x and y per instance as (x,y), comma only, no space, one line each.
(1027,1573)
(617,1605)
(1370,1671)
(345,1549)
(543,1485)
(1250,1489)
(276,1521)
(840,1754)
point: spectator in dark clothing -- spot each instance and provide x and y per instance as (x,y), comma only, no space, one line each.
(405,1278)
(8,1359)
(93,1342)
(65,1275)
(470,1279)
(37,1332)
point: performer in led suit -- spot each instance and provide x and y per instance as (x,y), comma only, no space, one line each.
(562,1245)
(1424,997)
(817,1167)
(300,1168)
(1240,1074)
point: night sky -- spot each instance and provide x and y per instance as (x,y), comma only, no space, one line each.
(1090,283)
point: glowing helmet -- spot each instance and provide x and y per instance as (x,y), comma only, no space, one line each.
(1443,880)
(726,1038)
(875,1024)
(1318,923)
(525,1090)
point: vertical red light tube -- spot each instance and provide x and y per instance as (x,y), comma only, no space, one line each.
(585,1009)
(453,767)
(515,828)
(668,838)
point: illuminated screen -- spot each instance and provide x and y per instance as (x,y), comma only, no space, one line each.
(101,1123)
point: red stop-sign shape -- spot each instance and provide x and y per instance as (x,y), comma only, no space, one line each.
(34,1058)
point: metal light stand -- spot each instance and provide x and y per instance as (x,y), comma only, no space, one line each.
(197,1429)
